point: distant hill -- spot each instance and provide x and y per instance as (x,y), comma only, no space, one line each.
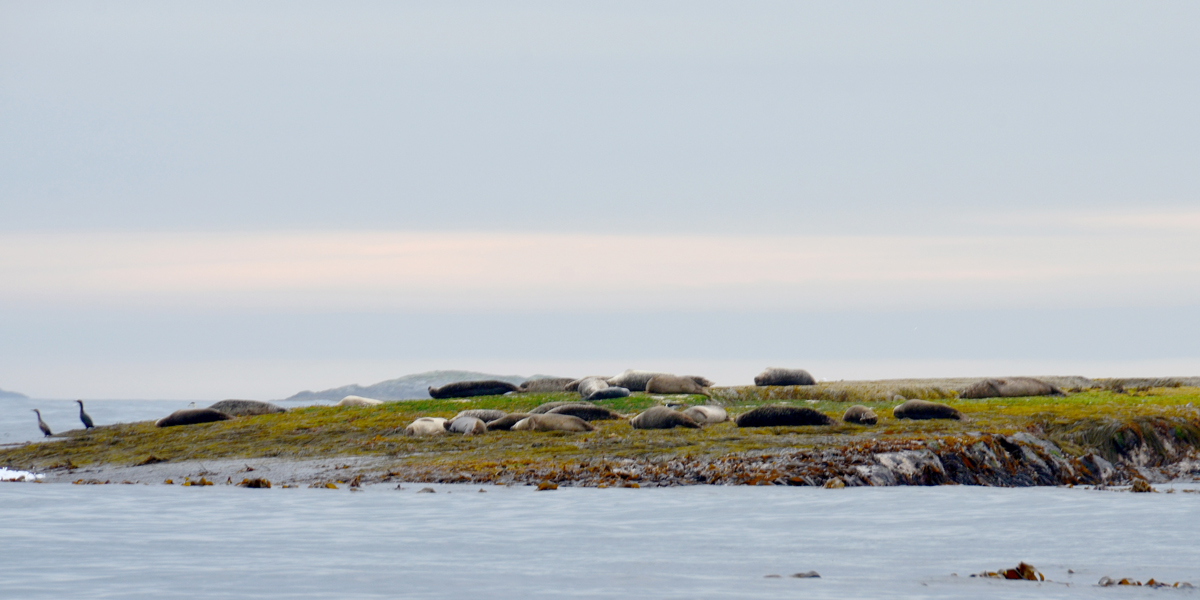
(409,387)
(11,395)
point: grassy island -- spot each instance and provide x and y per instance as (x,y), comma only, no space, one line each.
(1004,441)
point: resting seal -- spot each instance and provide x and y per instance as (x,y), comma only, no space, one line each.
(552,423)
(1013,387)
(778,376)
(860,414)
(467,389)
(707,414)
(661,417)
(608,393)
(426,426)
(635,381)
(506,422)
(549,384)
(671,384)
(920,410)
(192,416)
(358,401)
(465,426)
(246,408)
(486,415)
(542,409)
(782,416)
(590,385)
(587,412)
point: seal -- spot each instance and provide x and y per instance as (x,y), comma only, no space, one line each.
(671,384)
(358,401)
(1012,387)
(542,409)
(545,384)
(426,426)
(635,381)
(782,416)
(921,410)
(465,426)
(483,414)
(467,389)
(506,422)
(661,417)
(574,385)
(587,412)
(860,414)
(705,414)
(608,393)
(779,376)
(247,408)
(590,385)
(549,422)
(192,416)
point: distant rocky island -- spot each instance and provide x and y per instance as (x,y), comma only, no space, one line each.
(409,387)
(6,395)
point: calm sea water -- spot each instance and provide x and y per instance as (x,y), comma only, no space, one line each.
(66,541)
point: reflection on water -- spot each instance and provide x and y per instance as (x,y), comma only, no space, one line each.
(699,542)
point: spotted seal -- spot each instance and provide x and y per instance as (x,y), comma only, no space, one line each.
(672,384)
(661,417)
(465,425)
(542,409)
(782,416)
(486,415)
(545,384)
(860,414)
(506,422)
(1012,387)
(635,381)
(707,414)
(247,408)
(426,426)
(548,422)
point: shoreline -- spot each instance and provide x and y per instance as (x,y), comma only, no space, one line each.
(1113,436)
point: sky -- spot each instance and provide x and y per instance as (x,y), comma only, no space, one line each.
(210,200)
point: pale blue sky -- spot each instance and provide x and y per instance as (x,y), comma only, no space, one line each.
(1050,150)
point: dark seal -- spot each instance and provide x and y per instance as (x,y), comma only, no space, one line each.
(467,389)
(608,393)
(661,417)
(922,410)
(192,416)
(542,409)
(587,412)
(486,415)
(506,422)
(778,376)
(781,416)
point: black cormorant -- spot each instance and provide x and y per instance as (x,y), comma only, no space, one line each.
(42,424)
(87,420)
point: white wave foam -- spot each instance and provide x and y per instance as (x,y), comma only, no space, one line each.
(9,475)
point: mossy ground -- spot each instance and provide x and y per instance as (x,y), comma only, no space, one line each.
(326,432)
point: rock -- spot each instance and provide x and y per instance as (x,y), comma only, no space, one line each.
(835,484)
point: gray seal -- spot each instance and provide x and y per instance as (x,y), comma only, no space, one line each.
(779,376)
(549,422)
(545,385)
(192,416)
(861,415)
(661,417)
(672,384)
(587,412)
(549,406)
(466,426)
(468,389)
(247,408)
(1012,387)
(635,381)
(506,422)
(608,393)
(782,416)
(921,410)
(486,415)
(590,385)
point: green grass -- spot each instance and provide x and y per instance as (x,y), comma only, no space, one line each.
(1091,419)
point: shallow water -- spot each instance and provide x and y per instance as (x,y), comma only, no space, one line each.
(158,541)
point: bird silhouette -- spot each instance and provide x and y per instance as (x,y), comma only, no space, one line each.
(87,420)
(42,424)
